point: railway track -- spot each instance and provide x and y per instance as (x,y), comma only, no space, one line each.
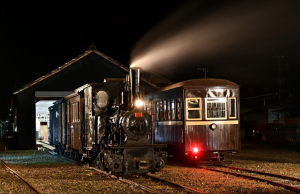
(290,183)
(135,185)
(148,188)
(31,187)
(181,187)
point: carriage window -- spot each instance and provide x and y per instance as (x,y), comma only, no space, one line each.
(147,107)
(68,113)
(215,108)
(193,109)
(165,110)
(232,108)
(178,108)
(75,112)
(169,110)
(161,111)
(150,106)
(173,109)
(157,110)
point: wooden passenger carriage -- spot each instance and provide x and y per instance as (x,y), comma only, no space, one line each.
(197,118)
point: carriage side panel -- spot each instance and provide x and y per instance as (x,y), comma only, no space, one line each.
(225,137)
(168,129)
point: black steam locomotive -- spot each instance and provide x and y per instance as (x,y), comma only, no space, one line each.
(105,124)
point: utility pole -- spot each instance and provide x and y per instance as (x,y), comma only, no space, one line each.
(203,69)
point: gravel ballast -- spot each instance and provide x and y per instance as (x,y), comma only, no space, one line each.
(55,174)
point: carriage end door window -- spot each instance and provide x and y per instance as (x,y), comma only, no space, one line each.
(232,108)
(193,109)
(215,108)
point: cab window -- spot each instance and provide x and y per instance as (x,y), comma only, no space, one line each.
(193,109)
(215,108)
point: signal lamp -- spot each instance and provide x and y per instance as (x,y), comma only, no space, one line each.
(195,150)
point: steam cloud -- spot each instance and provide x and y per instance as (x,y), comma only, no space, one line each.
(206,33)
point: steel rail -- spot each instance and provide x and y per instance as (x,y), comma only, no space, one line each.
(174,184)
(258,179)
(264,173)
(20,177)
(145,188)
(136,185)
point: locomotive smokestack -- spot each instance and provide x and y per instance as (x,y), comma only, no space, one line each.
(135,86)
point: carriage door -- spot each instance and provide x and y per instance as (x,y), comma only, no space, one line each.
(75,122)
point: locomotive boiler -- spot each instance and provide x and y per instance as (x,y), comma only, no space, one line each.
(107,126)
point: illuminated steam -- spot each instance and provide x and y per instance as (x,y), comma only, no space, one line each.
(201,33)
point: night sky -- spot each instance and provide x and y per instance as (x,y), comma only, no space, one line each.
(233,40)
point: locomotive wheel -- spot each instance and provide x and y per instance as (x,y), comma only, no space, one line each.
(101,164)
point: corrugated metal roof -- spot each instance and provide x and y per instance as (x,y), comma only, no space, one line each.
(92,49)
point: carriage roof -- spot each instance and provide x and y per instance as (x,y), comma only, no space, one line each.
(203,82)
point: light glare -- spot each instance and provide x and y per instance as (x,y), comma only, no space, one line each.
(139,103)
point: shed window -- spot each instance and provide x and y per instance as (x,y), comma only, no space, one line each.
(215,108)
(193,109)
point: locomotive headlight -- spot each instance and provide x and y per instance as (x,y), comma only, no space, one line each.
(139,103)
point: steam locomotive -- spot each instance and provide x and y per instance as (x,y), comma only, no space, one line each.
(105,124)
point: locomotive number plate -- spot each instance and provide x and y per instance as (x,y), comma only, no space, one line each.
(138,114)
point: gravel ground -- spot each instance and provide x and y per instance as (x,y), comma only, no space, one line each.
(54,174)
(255,156)
(268,158)
(8,181)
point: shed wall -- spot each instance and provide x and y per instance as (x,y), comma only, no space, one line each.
(90,69)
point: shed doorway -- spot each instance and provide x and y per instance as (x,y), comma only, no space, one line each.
(42,119)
